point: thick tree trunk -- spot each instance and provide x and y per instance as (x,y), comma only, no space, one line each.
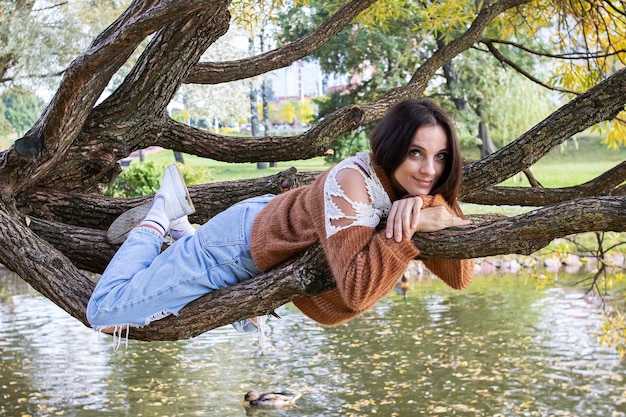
(485,144)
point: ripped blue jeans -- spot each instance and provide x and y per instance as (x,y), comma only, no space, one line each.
(141,285)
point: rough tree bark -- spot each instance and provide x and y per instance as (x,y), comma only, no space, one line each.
(54,221)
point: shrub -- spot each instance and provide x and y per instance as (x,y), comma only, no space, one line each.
(141,179)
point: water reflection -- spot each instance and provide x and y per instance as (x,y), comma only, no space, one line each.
(500,348)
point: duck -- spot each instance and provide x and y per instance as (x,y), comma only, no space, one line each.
(270,399)
(403,286)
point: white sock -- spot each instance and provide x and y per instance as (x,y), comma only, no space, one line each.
(156,216)
(181,228)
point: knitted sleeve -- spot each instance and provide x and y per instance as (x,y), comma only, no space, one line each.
(366,264)
(456,273)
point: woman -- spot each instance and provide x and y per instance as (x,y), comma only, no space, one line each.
(411,178)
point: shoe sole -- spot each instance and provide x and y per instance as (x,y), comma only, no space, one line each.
(125,222)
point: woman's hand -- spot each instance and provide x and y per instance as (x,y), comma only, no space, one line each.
(404,218)
(407,217)
(438,218)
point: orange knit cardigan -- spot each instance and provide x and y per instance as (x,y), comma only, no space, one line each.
(365,263)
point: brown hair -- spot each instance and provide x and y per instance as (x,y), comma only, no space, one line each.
(391,139)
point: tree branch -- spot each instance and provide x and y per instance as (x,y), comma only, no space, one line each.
(494,51)
(158,74)
(83,82)
(95,211)
(312,143)
(42,266)
(221,72)
(569,56)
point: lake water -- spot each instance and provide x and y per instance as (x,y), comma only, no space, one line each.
(499,348)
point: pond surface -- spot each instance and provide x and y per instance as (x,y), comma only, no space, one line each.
(499,348)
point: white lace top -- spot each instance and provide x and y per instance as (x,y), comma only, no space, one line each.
(366,213)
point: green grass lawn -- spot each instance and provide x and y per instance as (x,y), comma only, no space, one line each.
(568,165)
(572,165)
(565,174)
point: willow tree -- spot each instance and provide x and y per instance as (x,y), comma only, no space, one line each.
(54,220)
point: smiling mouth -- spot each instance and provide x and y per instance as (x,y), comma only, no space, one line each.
(424,183)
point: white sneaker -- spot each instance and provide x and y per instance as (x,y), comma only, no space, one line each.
(177,204)
(174,191)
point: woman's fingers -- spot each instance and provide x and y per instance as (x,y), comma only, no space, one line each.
(416,214)
(390,221)
(407,217)
(404,218)
(399,220)
(457,221)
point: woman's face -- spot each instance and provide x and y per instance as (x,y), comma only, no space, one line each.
(425,162)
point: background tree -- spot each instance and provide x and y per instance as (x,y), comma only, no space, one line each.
(22,108)
(54,218)
(515,50)
(39,38)
(219,102)
(5,126)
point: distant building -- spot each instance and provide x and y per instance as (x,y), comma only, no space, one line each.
(304,79)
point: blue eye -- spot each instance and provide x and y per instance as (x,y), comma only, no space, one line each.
(442,156)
